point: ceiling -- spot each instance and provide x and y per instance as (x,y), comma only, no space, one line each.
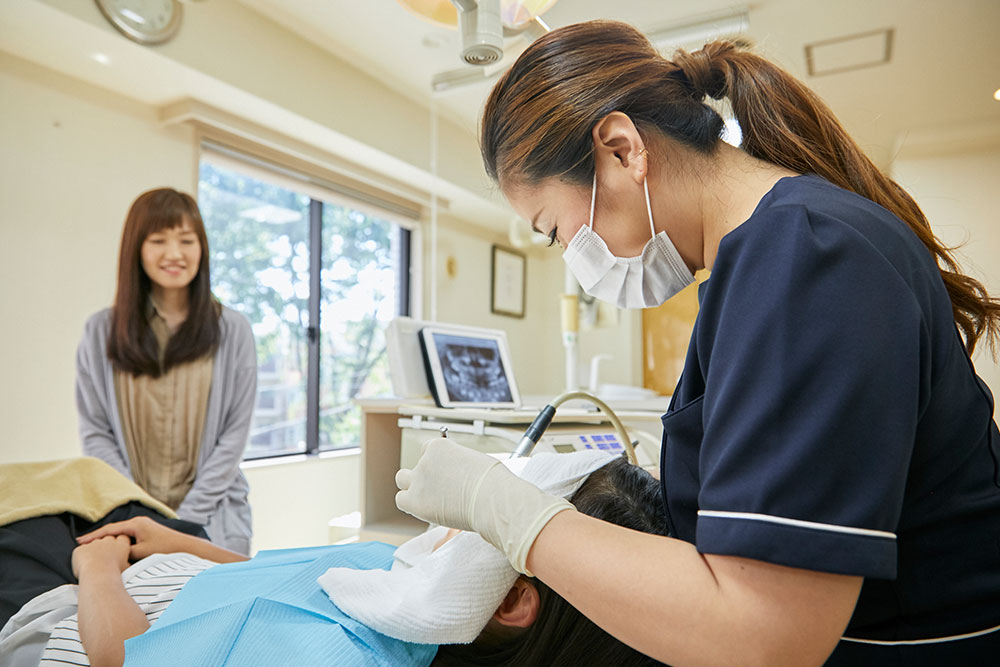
(942,74)
(935,94)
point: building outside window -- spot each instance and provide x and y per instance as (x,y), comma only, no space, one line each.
(319,280)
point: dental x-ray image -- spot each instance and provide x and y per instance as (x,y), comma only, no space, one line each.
(473,370)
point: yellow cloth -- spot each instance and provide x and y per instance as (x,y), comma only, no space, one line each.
(84,486)
(163,420)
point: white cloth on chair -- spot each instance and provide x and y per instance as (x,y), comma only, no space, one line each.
(448,595)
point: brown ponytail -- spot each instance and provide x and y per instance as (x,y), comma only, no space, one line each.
(538,119)
(785,123)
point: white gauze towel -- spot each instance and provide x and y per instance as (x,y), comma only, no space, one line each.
(448,595)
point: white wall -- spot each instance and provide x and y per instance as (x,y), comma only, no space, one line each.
(464,297)
(622,340)
(229,56)
(293,499)
(73,159)
(957,192)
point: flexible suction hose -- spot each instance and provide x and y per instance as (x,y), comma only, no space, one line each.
(544,418)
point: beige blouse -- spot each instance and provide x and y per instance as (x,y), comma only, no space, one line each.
(162,421)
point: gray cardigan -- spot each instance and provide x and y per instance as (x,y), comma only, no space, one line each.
(218,498)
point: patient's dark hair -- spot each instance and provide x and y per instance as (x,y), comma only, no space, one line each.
(619,493)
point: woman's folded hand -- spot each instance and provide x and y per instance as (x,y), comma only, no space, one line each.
(146,537)
(104,552)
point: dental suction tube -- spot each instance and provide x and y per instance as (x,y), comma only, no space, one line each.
(534,432)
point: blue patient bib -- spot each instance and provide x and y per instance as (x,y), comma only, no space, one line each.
(270,611)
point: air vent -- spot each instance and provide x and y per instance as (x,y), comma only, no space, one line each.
(844,54)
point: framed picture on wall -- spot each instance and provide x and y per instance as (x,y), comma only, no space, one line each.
(508,282)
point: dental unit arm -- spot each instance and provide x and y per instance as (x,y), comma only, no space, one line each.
(534,432)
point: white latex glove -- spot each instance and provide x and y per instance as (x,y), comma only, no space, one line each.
(458,487)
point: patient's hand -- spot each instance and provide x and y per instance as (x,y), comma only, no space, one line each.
(105,552)
(149,536)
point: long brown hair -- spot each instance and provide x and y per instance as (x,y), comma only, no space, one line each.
(538,119)
(132,346)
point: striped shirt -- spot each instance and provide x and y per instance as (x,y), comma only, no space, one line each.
(153,587)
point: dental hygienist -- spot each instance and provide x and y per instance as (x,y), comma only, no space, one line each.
(830,458)
(167,378)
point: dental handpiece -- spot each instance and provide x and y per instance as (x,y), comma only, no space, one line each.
(534,433)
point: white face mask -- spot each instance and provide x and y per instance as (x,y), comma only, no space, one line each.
(645,281)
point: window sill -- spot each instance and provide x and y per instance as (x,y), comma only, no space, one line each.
(265,462)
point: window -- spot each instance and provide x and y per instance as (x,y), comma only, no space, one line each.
(319,281)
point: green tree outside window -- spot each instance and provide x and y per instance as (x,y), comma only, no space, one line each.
(258,234)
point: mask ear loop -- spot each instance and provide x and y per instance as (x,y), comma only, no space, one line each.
(645,186)
(593,198)
(649,209)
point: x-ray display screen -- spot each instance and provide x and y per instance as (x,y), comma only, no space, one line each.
(472,369)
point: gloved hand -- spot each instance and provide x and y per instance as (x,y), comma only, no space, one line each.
(458,487)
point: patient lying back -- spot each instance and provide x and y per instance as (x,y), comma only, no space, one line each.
(531,626)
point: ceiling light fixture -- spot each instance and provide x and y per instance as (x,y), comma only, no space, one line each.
(481,31)
(483,24)
(996,95)
(691,34)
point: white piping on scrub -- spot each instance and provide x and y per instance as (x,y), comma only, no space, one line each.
(915,642)
(750,516)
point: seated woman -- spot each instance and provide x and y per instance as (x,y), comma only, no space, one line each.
(531,626)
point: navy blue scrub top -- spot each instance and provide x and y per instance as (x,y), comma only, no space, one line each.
(828,418)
